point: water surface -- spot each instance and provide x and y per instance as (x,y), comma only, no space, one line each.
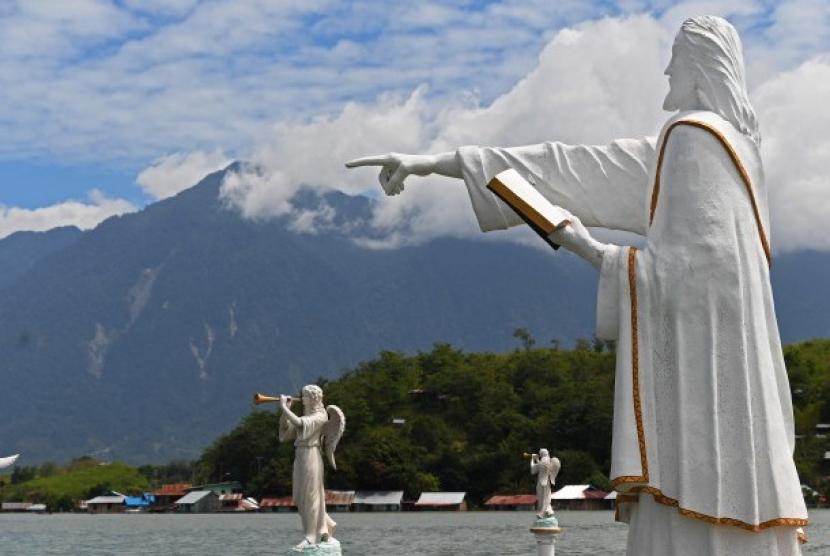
(361,534)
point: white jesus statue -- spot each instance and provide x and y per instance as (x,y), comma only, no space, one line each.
(703,422)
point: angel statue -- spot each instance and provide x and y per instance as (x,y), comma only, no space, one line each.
(317,428)
(545,468)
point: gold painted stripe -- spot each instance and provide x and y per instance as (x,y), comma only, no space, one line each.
(497,187)
(735,160)
(661,498)
(635,359)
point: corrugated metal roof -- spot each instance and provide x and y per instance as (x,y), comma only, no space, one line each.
(107,500)
(173,489)
(339,497)
(612,495)
(441,498)
(13,506)
(512,500)
(284,501)
(378,497)
(576,492)
(193,497)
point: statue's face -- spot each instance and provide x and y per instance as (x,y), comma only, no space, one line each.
(682,89)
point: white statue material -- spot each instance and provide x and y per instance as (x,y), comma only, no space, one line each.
(703,425)
(317,429)
(545,468)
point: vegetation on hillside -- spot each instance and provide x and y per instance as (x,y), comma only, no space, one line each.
(456,421)
(61,487)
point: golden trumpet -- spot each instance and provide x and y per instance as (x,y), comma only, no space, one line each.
(260,399)
(526,455)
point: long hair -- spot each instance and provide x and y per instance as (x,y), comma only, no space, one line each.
(718,64)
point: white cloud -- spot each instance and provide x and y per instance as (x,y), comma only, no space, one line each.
(795,121)
(84,215)
(177,172)
(581,91)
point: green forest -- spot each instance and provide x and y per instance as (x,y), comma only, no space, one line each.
(440,420)
(455,421)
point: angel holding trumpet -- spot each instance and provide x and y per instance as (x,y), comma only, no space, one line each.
(317,429)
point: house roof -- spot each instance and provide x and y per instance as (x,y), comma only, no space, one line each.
(577,492)
(441,499)
(107,500)
(281,502)
(12,506)
(378,497)
(612,495)
(193,497)
(512,500)
(173,489)
(230,497)
(339,497)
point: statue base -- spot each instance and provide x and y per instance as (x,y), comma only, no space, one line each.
(330,547)
(546,530)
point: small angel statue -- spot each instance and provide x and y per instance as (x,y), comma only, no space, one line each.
(545,468)
(317,429)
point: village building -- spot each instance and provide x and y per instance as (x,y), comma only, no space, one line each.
(167,495)
(442,501)
(511,502)
(339,500)
(378,501)
(579,497)
(112,503)
(273,504)
(198,502)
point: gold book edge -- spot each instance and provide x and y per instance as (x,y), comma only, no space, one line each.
(519,204)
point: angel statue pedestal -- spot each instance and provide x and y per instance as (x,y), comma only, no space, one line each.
(546,527)
(318,429)
(546,530)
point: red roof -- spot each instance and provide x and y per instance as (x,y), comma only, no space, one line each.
(339,497)
(512,500)
(595,494)
(283,501)
(174,489)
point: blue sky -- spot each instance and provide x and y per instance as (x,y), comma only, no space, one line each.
(107,105)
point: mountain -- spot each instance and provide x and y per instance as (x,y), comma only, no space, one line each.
(20,251)
(145,338)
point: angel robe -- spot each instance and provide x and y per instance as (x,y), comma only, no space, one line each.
(546,470)
(703,428)
(307,487)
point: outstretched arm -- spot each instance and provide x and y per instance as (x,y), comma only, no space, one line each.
(396,167)
(605,186)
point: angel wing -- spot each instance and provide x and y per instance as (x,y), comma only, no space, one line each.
(5,462)
(333,430)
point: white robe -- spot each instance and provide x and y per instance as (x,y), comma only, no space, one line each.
(703,417)
(307,480)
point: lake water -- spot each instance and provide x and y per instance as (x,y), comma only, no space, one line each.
(362,534)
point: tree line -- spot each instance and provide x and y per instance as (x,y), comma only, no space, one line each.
(442,420)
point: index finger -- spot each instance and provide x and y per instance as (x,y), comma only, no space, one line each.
(376,160)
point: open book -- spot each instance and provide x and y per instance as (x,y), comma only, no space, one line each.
(539,213)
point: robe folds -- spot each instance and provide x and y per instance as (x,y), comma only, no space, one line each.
(703,422)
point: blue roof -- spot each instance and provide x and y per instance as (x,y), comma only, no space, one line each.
(139,501)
